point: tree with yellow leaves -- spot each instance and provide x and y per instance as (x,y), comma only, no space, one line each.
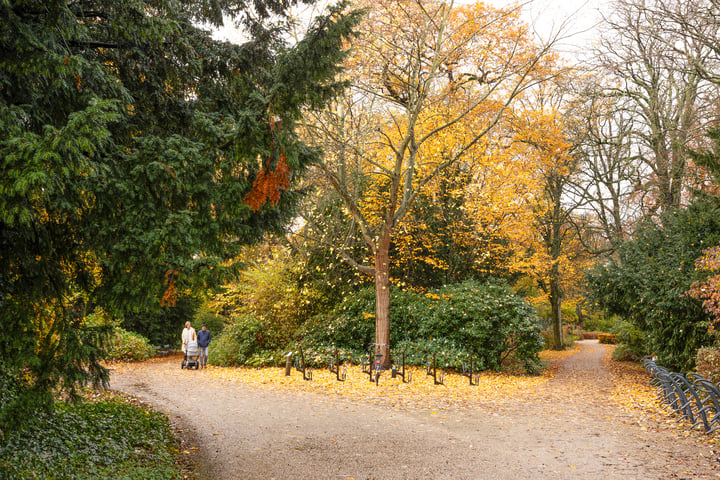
(429,81)
(542,129)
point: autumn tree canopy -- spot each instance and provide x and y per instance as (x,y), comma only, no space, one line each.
(543,125)
(429,81)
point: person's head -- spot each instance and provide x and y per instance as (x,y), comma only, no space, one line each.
(203,327)
(187,325)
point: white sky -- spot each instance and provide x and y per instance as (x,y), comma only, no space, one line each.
(576,19)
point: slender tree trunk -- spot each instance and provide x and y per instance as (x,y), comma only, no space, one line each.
(382,300)
(556,308)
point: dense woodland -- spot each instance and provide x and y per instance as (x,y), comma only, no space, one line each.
(402,176)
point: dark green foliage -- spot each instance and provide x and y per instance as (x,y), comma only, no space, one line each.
(263,310)
(108,439)
(161,324)
(215,323)
(598,322)
(245,342)
(128,141)
(709,159)
(350,326)
(127,346)
(631,344)
(490,321)
(646,284)
(486,320)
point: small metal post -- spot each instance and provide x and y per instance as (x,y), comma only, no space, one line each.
(288,363)
(470,373)
(300,366)
(401,373)
(434,372)
(334,367)
(370,366)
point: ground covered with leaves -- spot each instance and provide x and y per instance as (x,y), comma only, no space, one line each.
(420,392)
(585,415)
(631,391)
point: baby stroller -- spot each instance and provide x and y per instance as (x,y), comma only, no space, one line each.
(192,354)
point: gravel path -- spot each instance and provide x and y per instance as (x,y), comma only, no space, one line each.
(264,434)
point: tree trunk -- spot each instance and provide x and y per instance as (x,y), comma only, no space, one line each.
(556,308)
(581,316)
(382,301)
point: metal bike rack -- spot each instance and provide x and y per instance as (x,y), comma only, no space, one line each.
(468,371)
(404,373)
(431,370)
(301,367)
(334,367)
(373,370)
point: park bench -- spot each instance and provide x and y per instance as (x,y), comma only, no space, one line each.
(163,350)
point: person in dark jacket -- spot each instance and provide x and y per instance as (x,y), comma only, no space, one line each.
(203,340)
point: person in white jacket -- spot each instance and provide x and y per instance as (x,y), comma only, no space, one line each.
(188,334)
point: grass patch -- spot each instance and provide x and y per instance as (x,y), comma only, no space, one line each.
(109,438)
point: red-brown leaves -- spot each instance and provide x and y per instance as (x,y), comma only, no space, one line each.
(170,295)
(268,183)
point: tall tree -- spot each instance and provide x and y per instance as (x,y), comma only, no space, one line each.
(543,125)
(137,154)
(660,88)
(608,177)
(430,80)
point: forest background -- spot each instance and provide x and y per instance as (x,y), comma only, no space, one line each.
(400,177)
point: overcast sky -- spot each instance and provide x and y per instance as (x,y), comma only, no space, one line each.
(577,18)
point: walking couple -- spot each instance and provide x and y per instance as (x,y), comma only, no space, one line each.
(202,338)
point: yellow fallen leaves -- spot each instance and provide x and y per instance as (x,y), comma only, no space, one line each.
(421,392)
(632,389)
(554,357)
(627,386)
(456,392)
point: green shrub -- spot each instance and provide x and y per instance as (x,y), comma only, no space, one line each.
(214,323)
(646,283)
(486,320)
(600,323)
(447,353)
(708,363)
(127,346)
(630,343)
(108,439)
(244,342)
(262,312)
(350,327)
